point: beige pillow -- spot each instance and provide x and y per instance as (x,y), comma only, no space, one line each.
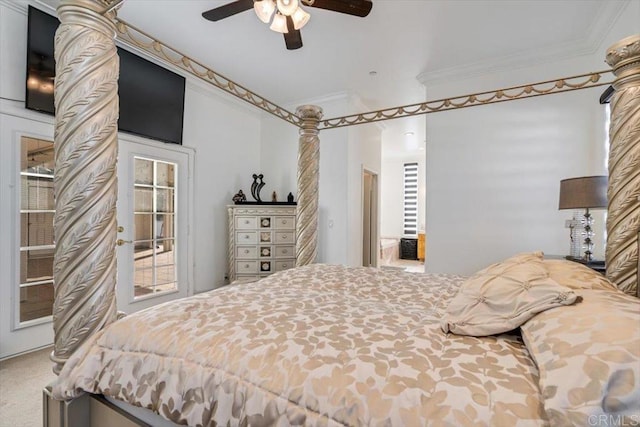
(588,356)
(576,276)
(503,296)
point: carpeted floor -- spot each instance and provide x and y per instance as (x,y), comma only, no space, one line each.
(22,379)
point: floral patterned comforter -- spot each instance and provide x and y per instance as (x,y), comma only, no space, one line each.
(317,345)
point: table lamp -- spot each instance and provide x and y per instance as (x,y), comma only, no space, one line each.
(587,192)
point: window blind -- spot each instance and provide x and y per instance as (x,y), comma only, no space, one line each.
(410,201)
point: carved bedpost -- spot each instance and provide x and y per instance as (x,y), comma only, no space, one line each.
(308,182)
(85,186)
(623,220)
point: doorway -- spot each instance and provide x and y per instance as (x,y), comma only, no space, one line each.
(369,218)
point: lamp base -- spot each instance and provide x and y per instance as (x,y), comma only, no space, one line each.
(588,234)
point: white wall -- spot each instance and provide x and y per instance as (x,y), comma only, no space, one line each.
(343,154)
(493,172)
(278,158)
(226,137)
(364,152)
(224,132)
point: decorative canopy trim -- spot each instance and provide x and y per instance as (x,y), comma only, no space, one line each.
(150,44)
(153,46)
(583,81)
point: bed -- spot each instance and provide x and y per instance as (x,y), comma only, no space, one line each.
(333,345)
(554,343)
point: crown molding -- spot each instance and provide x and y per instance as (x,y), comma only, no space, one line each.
(347,96)
(324,99)
(607,15)
(360,105)
(20,7)
(209,90)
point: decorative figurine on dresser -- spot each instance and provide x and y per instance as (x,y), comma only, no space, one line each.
(262,235)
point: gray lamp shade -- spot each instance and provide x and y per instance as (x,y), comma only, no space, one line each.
(584,192)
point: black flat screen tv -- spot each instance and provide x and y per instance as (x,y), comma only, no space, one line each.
(151,97)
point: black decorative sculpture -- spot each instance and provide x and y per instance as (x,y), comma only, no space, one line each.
(290,198)
(239,197)
(257,186)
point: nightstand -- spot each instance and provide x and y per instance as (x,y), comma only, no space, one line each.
(597,265)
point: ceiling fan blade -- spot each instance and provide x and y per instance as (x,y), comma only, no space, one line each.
(227,10)
(293,39)
(359,8)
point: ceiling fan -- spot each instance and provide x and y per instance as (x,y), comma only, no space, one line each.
(288,16)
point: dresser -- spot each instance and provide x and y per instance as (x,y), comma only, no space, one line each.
(262,240)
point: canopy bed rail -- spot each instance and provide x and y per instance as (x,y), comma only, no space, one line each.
(86,152)
(566,84)
(141,40)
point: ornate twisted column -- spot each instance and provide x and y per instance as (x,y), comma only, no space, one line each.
(85,185)
(308,180)
(623,220)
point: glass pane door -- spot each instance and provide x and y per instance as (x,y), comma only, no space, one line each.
(36,229)
(153,217)
(155,245)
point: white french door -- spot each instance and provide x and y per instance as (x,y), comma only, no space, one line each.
(154,249)
(159,270)
(26,233)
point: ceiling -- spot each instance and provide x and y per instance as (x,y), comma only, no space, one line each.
(399,41)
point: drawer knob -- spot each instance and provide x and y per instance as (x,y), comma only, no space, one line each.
(246,221)
(246,266)
(284,265)
(285,251)
(246,236)
(284,236)
(284,221)
(246,251)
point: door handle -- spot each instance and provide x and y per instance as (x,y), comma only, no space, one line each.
(121,242)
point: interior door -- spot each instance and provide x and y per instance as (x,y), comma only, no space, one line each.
(369,219)
(154,249)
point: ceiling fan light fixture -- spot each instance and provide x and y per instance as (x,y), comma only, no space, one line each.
(264,9)
(279,24)
(300,18)
(287,7)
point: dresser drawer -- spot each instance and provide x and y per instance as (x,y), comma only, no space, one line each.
(266,237)
(244,267)
(246,252)
(246,222)
(285,251)
(266,267)
(265,251)
(285,236)
(246,238)
(285,222)
(285,264)
(265,222)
